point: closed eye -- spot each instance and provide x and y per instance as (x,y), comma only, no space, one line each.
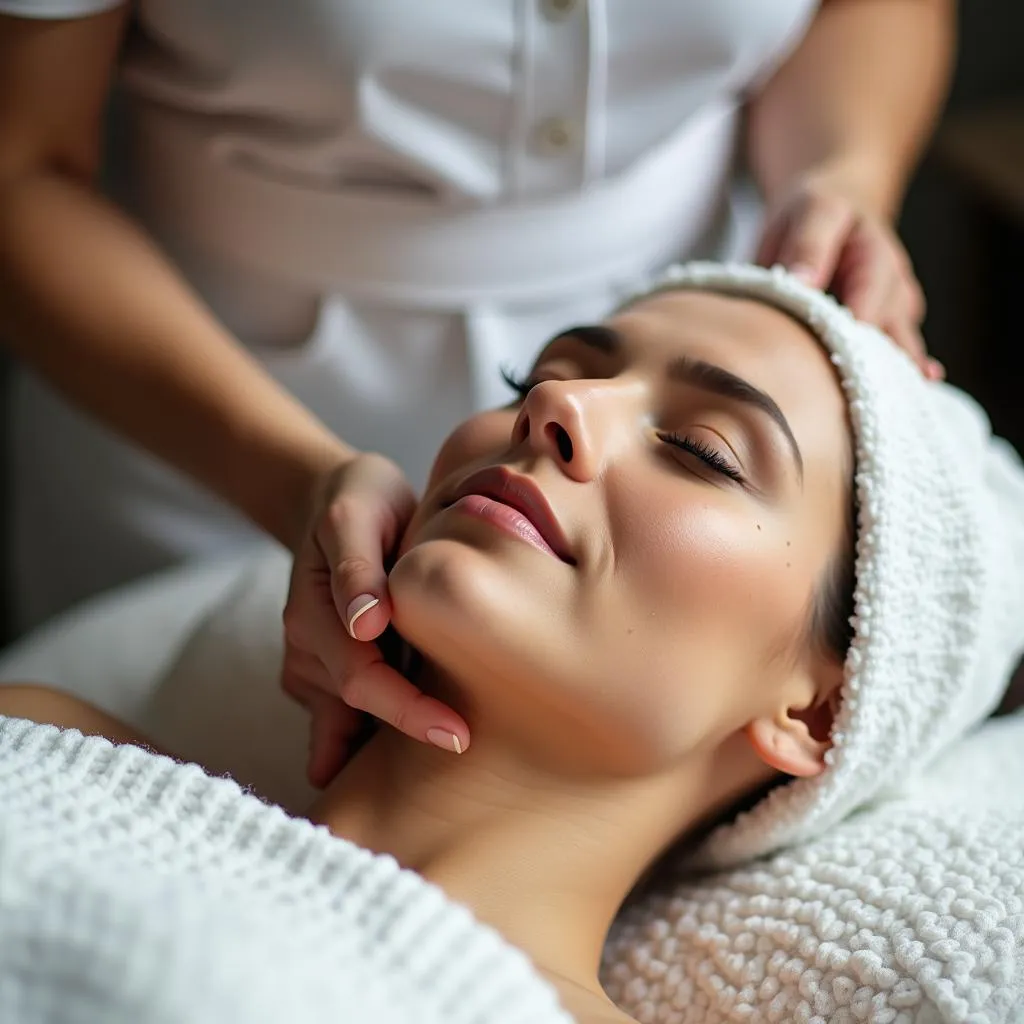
(520,385)
(709,455)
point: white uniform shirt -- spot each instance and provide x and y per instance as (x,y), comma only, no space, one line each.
(386,199)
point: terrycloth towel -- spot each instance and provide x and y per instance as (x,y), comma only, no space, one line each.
(910,912)
(939,597)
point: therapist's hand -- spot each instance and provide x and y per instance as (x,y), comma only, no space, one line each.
(819,231)
(338,605)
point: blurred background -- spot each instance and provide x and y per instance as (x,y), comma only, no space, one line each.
(963,222)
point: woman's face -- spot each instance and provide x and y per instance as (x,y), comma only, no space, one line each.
(619,567)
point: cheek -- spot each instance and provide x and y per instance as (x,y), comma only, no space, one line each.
(486,434)
(711,558)
(700,607)
(480,439)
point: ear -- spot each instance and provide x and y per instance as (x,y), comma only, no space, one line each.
(795,739)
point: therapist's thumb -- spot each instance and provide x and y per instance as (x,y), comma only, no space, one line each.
(362,524)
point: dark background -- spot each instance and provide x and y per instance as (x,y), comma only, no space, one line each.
(963,221)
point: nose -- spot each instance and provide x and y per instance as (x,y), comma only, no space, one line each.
(575,423)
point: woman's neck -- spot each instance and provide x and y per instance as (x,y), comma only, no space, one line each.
(545,862)
(545,866)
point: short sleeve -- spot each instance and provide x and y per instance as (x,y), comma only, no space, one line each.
(57,8)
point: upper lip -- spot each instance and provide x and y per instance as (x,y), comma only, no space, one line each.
(519,492)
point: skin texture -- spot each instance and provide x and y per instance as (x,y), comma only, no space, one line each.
(621,700)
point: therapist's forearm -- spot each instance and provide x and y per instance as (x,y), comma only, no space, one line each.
(91,304)
(858,97)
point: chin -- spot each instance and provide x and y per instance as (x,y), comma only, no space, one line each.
(478,615)
(449,597)
(503,637)
(456,575)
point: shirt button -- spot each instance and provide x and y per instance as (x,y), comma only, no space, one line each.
(555,9)
(555,135)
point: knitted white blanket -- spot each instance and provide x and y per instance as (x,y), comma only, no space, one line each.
(135,889)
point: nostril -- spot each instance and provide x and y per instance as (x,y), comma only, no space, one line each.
(562,440)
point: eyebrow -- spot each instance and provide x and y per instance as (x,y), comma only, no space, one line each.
(700,374)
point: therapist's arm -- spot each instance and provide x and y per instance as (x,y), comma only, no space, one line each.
(860,95)
(834,135)
(88,301)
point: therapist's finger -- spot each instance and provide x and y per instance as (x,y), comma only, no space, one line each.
(311,623)
(365,516)
(357,675)
(386,694)
(333,724)
(868,277)
(352,538)
(909,338)
(301,672)
(333,729)
(813,242)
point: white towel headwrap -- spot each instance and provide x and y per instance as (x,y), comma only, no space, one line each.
(939,597)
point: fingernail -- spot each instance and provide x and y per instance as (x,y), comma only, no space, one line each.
(804,272)
(444,739)
(936,370)
(357,607)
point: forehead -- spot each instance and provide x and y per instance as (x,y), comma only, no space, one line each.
(765,346)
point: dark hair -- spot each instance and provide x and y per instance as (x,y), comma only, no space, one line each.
(832,612)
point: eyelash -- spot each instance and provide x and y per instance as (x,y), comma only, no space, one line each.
(520,385)
(701,449)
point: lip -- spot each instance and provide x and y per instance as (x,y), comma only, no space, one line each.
(520,493)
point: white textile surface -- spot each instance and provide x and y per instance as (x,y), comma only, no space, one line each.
(115,649)
(910,912)
(137,890)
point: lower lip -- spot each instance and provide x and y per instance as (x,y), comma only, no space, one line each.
(505,517)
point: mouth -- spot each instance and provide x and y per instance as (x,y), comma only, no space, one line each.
(513,503)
